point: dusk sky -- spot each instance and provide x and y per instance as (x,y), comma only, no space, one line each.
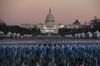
(35,11)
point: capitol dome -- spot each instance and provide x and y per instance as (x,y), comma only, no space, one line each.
(50,18)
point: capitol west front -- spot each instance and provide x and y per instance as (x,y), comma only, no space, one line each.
(49,27)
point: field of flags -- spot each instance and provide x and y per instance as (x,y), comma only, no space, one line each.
(50,54)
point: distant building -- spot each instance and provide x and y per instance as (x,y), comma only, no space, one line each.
(28,26)
(75,25)
(49,26)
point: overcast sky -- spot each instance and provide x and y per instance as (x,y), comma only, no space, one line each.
(35,11)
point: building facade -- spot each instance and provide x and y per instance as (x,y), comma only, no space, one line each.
(75,25)
(49,27)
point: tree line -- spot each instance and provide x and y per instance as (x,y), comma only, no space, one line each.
(17,29)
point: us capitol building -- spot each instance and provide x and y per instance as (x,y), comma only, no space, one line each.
(50,26)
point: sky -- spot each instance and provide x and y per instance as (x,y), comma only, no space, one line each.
(35,11)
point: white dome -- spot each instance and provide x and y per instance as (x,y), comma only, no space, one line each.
(50,17)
